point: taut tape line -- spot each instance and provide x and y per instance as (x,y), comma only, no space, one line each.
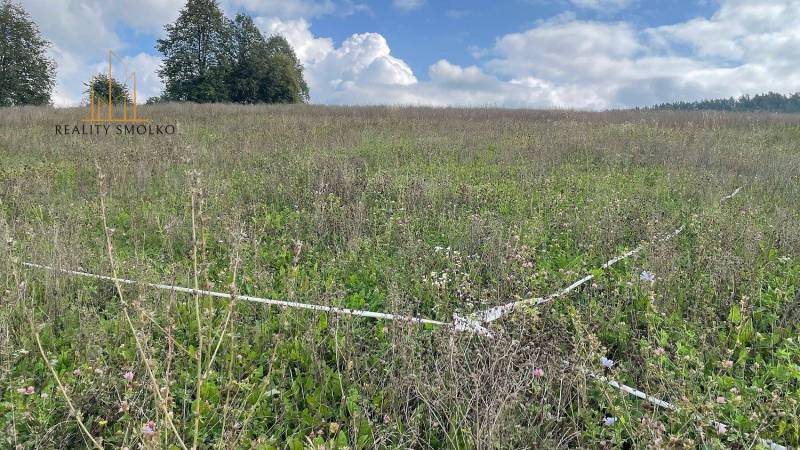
(492,314)
(458,323)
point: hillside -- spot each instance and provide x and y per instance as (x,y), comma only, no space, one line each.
(419,212)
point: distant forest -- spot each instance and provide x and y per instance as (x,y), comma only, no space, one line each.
(769,102)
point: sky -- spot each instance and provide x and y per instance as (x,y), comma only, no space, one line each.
(581,54)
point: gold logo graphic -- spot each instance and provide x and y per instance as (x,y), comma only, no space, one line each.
(95,108)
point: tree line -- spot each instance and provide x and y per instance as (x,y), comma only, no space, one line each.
(769,102)
(207,57)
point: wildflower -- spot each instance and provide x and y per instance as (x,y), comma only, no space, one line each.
(721,428)
(727,364)
(607,363)
(45,395)
(29,390)
(128,376)
(609,421)
(660,351)
(123,406)
(98,371)
(721,400)
(647,276)
(538,373)
(149,428)
(784,259)
(76,372)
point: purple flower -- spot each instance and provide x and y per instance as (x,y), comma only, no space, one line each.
(647,276)
(609,421)
(607,363)
(149,428)
(128,376)
(538,373)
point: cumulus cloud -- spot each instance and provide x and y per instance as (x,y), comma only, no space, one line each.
(363,62)
(745,47)
(564,62)
(362,70)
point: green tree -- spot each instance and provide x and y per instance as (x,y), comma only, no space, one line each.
(99,84)
(27,75)
(284,82)
(266,70)
(251,62)
(197,54)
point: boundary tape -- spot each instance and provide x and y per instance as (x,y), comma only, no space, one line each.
(772,445)
(492,314)
(459,323)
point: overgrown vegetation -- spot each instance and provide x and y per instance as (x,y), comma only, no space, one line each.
(427,212)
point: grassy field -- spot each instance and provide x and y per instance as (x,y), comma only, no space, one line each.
(426,212)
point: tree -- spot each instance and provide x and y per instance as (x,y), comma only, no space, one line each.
(209,58)
(769,102)
(197,54)
(27,75)
(99,85)
(284,82)
(251,66)
(266,70)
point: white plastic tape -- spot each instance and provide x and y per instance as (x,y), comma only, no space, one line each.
(458,324)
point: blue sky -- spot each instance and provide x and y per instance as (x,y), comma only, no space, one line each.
(449,29)
(584,54)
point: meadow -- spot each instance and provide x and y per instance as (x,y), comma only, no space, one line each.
(416,211)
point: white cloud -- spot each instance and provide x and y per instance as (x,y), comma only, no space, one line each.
(745,47)
(309,48)
(363,61)
(566,51)
(362,70)
(602,5)
(565,62)
(408,5)
(82,32)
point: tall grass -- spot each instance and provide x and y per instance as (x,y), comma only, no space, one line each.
(427,212)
